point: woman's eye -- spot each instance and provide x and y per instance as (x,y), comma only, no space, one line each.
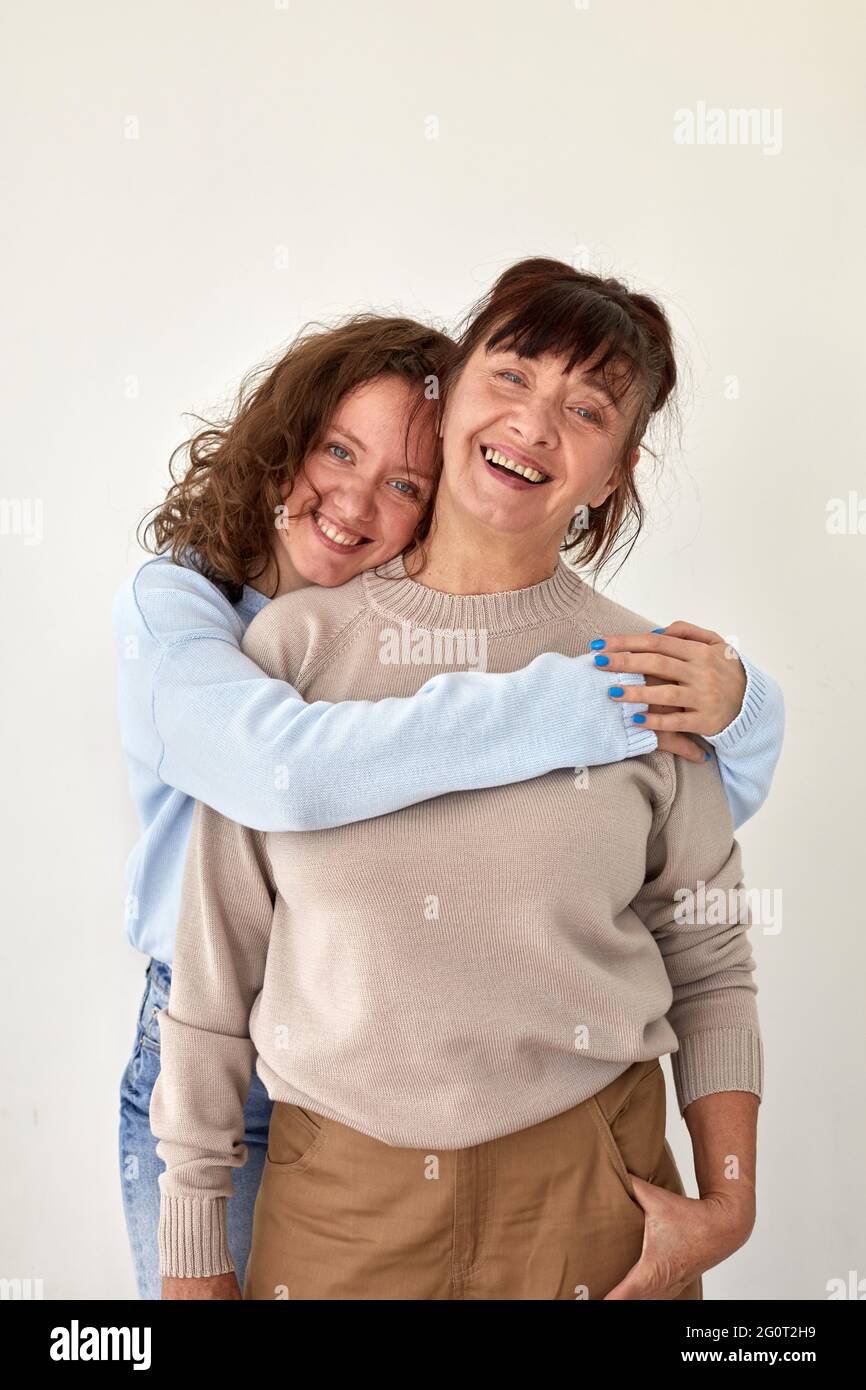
(342,451)
(587,412)
(402,483)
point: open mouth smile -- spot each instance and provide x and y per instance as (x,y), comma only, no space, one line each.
(517,474)
(335,537)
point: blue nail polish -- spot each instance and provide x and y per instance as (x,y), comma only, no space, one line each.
(639,718)
(602,660)
(706,757)
(658,629)
(616,690)
(599,642)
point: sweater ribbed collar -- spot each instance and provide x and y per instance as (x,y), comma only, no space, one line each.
(393,594)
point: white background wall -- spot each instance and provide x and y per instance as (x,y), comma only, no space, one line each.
(302,160)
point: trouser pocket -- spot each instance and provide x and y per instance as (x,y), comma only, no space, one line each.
(295,1138)
(629,1115)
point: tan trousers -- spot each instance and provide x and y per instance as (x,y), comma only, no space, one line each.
(546,1212)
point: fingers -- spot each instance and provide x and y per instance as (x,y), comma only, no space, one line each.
(677,719)
(691,630)
(672,668)
(682,746)
(676,695)
(675,641)
(683,722)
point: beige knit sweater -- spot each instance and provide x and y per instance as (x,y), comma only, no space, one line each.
(463,968)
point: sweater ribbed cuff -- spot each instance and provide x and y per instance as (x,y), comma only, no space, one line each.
(721,1059)
(754,697)
(192,1237)
(638,738)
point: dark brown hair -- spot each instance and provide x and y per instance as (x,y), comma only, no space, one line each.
(546,306)
(219,515)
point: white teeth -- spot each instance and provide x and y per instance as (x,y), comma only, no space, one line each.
(532,474)
(333,534)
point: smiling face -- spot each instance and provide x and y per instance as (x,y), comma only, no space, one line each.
(370,500)
(525,445)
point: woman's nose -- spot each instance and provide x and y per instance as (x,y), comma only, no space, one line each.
(355,501)
(533,423)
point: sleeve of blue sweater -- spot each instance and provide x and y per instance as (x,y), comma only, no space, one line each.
(748,749)
(224,725)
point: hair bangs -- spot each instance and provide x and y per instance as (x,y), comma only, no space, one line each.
(581,327)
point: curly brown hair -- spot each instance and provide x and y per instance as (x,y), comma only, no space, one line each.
(541,305)
(218,516)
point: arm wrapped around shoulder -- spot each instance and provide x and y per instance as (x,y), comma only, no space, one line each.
(694,902)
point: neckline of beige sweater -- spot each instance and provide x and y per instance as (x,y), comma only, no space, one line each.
(391,593)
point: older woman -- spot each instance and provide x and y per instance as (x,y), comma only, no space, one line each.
(458,1009)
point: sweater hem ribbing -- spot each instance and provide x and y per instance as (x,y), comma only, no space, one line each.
(724,1059)
(192,1237)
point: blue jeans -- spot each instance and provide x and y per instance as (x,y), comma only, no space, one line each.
(139,1164)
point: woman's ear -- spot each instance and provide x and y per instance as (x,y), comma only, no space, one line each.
(611,482)
(602,495)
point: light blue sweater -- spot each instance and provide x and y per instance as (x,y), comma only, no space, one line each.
(200,721)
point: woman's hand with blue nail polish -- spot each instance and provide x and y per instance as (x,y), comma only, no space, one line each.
(698,682)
